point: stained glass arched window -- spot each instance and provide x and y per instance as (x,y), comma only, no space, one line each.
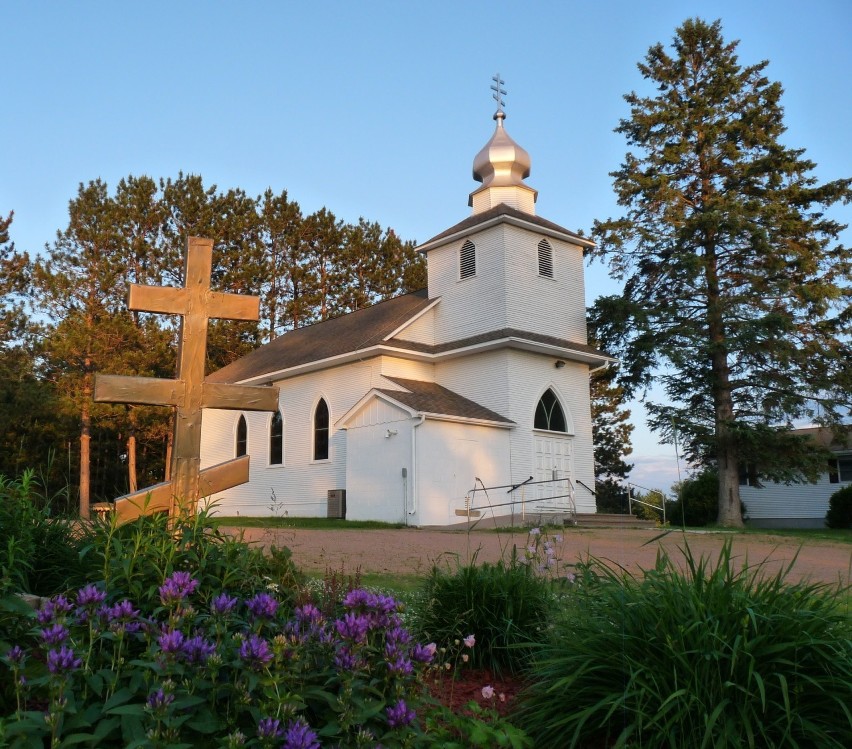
(549,414)
(321,431)
(276,439)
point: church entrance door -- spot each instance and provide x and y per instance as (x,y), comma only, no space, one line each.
(553,465)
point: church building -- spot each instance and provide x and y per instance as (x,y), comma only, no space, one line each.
(426,408)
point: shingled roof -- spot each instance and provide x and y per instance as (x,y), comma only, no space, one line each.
(431,398)
(340,335)
(493,213)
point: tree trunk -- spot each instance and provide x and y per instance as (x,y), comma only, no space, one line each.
(85,440)
(723,405)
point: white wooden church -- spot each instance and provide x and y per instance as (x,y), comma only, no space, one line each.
(406,410)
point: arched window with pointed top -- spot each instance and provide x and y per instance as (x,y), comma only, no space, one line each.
(241,447)
(321,430)
(467,260)
(549,414)
(276,439)
(545,259)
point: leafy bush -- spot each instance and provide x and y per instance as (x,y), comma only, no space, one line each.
(709,656)
(839,513)
(136,557)
(505,605)
(185,673)
(698,501)
(39,551)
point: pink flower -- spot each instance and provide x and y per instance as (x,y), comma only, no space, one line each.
(488,692)
(469,641)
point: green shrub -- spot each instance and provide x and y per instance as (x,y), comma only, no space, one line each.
(839,513)
(136,557)
(698,501)
(39,551)
(708,656)
(506,607)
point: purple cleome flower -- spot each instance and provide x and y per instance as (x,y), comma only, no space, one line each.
(90,596)
(177,587)
(55,608)
(255,652)
(262,606)
(424,653)
(159,700)
(171,642)
(121,616)
(55,634)
(300,736)
(61,661)
(353,627)
(400,665)
(16,656)
(223,604)
(400,715)
(197,649)
(269,729)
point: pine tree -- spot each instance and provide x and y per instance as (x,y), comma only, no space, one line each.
(611,430)
(737,298)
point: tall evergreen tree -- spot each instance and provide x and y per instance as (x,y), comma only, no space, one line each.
(737,296)
(611,431)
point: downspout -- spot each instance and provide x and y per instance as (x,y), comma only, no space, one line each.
(421,418)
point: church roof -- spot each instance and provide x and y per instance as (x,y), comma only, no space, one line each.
(431,398)
(497,214)
(340,335)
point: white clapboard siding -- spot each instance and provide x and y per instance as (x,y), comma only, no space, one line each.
(530,375)
(507,290)
(299,487)
(481,377)
(450,457)
(389,366)
(422,330)
(549,306)
(779,504)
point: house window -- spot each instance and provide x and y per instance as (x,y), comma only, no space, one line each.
(242,437)
(549,414)
(467,260)
(321,431)
(276,440)
(840,469)
(748,475)
(545,259)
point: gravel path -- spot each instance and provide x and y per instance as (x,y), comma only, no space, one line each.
(413,551)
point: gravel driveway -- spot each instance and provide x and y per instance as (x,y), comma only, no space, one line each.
(412,551)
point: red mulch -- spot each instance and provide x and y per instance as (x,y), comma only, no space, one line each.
(467,686)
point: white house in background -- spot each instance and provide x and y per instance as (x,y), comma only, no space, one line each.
(799,505)
(480,380)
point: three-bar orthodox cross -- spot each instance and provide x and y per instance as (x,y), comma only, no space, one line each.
(188,392)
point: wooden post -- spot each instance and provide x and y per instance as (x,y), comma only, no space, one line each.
(188,393)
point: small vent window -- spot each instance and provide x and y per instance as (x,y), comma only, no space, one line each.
(545,259)
(276,440)
(467,260)
(242,437)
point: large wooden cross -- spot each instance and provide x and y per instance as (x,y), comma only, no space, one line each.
(188,393)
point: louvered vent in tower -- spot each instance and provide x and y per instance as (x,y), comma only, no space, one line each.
(545,259)
(467,260)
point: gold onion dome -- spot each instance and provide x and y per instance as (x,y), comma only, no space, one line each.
(501,162)
(501,166)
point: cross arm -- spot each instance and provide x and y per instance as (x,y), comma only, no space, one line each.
(239,397)
(149,391)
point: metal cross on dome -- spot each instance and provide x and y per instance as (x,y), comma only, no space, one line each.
(499,91)
(188,392)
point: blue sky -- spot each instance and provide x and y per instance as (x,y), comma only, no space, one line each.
(376,109)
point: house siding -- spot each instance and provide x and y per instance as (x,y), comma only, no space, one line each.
(795,505)
(422,330)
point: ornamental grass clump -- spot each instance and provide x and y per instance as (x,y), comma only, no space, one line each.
(712,655)
(196,670)
(507,605)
